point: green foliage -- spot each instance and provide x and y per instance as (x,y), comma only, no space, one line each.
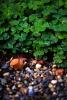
(38,27)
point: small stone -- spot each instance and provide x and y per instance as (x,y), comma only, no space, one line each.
(3,81)
(13,87)
(33,62)
(26,76)
(59,71)
(42,75)
(23,90)
(38,66)
(19,85)
(52,89)
(54,93)
(25,82)
(35,89)
(35,75)
(54,71)
(19,79)
(44,68)
(29,70)
(59,79)
(5,66)
(6,74)
(17,72)
(10,92)
(8,89)
(50,85)
(16,95)
(54,81)
(30,90)
(54,66)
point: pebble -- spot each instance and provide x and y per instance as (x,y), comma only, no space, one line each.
(54,81)
(50,85)
(29,70)
(3,81)
(13,87)
(54,66)
(19,85)
(38,66)
(6,74)
(5,66)
(30,90)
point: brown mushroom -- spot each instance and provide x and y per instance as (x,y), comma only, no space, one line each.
(18,63)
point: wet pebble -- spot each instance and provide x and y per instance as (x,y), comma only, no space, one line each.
(6,74)
(3,81)
(30,91)
(5,66)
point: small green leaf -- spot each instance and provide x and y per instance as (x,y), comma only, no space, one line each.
(38,53)
(62,36)
(10,45)
(23,37)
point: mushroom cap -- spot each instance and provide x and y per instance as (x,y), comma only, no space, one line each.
(14,62)
(17,63)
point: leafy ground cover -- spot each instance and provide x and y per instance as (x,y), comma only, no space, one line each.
(38,27)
